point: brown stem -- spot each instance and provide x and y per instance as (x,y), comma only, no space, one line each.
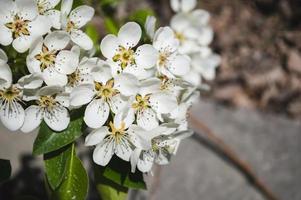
(203,131)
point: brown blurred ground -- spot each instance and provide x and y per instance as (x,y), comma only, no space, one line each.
(260,43)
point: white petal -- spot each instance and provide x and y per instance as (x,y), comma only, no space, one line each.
(63,99)
(188,5)
(49,90)
(175,5)
(129,34)
(81,39)
(57,40)
(27,9)
(5,75)
(164,40)
(3,56)
(200,16)
(55,18)
(127,117)
(7,11)
(146,162)
(33,65)
(22,43)
(147,119)
(123,150)
(58,119)
(52,77)
(162,102)
(12,117)
(134,159)
(180,23)
(150,26)
(206,36)
(40,26)
(109,46)
(140,137)
(97,113)
(96,136)
(81,15)
(127,84)
(149,86)
(66,6)
(66,62)
(180,65)
(6,35)
(82,95)
(33,118)
(49,4)
(118,103)
(103,152)
(146,56)
(31,81)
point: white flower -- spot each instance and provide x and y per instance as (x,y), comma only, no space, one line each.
(46,8)
(117,139)
(51,107)
(149,104)
(73,22)
(170,62)
(192,30)
(83,74)
(205,63)
(156,145)
(11,110)
(183,6)
(121,55)
(106,94)
(48,57)
(150,26)
(21,24)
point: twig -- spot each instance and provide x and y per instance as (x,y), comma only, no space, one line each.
(203,131)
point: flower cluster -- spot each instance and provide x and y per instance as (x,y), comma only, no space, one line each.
(135,100)
(192,29)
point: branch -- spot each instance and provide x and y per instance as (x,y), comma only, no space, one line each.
(216,143)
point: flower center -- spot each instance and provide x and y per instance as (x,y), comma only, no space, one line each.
(165,83)
(18,27)
(141,103)
(46,57)
(74,78)
(10,95)
(180,37)
(163,58)
(125,57)
(42,6)
(47,102)
(106,91)
(117,133)
(70,26)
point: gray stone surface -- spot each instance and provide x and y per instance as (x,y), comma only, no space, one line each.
(271,144)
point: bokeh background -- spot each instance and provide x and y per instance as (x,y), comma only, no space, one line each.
(254,106)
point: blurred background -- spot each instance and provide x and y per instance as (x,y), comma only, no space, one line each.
(254,107)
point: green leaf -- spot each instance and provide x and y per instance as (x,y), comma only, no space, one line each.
(140,16)
(108,189)
(5,170)
(49,140)
(75,181)
(111,26)
(119,172)
(108,192)
(55,165)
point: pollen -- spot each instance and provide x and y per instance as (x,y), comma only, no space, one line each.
(70,26)
(106,91)
(47,102)
(18,27)
(117,133)
(141,103)
(10,95)
(125,57)
(46,57)
(74,78)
